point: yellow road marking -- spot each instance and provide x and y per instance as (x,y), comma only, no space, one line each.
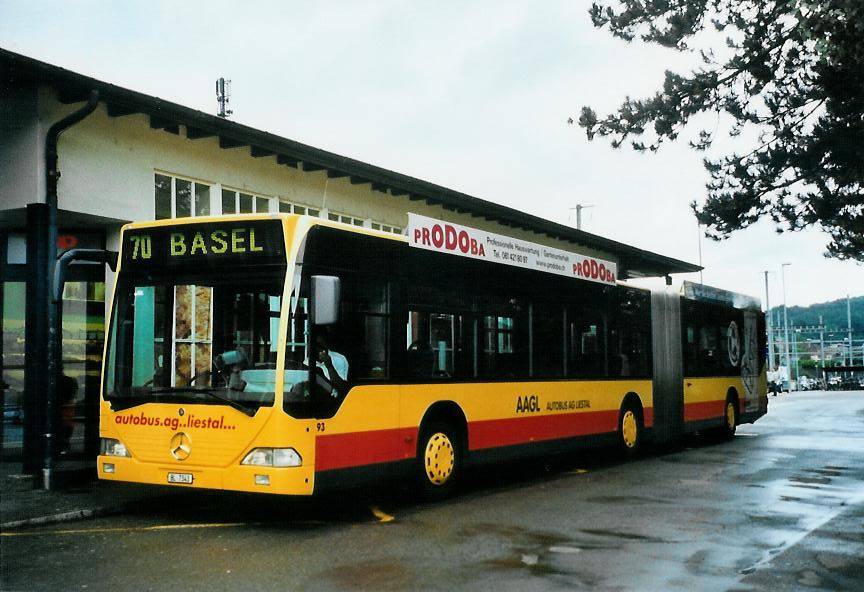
(381,516)
(130,529)
(577,472)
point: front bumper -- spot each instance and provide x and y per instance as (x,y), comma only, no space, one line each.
(282,480)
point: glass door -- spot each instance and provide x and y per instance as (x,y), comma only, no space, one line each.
(13,297)
(81,355)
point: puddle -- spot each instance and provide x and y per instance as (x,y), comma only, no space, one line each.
(820,480)
(629,536)
(774,520)
(564,550)
(626,499)
(805,486)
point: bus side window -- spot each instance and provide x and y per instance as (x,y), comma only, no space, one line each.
(366,323)
(691,352)
(587,347)
(708,349)
(631,351)
(548,340)
(431,339)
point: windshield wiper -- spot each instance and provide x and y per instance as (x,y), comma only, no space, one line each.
(234,404)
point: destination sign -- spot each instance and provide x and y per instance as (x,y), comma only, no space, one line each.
(246,242)
(446,237)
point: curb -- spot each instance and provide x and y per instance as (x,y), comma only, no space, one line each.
(84,513)
(69,516)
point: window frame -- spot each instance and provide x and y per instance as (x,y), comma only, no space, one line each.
(193,193)
(254,197)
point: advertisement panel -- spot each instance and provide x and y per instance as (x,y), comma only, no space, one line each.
(455,239)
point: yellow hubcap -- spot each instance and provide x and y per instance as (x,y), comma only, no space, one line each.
(440,458)
(629,429)
(730,415)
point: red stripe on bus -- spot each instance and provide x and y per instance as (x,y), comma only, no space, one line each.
(340,451)
(648,414)
(522,430)
(704,410)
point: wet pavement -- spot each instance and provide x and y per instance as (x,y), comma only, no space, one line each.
(780,507)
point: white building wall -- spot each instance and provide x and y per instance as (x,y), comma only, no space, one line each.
(21,154)
(108,165)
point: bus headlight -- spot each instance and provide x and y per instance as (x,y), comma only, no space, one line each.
(273,457)
(112,447)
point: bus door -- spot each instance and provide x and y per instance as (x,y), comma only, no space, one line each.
(668,368)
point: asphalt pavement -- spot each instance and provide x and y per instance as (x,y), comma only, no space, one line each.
(79,496)
(780,507)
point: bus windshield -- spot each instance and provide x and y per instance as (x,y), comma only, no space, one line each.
(208,338)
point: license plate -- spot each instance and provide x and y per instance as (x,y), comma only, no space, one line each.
(180,478)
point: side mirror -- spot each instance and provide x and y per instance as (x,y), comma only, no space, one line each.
(326,295)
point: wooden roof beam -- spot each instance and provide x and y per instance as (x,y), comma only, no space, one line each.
(196,133)
(115,110)
(161,123)
(287,160)
(67,96)
(257,152)
(226,142)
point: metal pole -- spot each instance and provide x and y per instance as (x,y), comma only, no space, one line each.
(849,324)
(770,327)
(795,354)
(821,342)
(578,208)
(785,322)
(699,237)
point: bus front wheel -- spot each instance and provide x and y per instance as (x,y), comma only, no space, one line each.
(438,460)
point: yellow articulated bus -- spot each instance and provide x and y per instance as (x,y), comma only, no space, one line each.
(288,354)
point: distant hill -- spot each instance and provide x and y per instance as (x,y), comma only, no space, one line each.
(833,315)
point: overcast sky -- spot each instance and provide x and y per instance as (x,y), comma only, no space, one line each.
(474,96)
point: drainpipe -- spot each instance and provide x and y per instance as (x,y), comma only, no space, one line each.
(52,175)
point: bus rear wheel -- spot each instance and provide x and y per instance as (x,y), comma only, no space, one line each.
(439,459)
(629,430)
(730,418)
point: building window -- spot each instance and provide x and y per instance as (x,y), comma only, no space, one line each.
(345,219)
(180,198)
(386,228)
(291,208)
(237,202)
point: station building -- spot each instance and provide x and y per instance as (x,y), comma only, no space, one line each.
(137,157)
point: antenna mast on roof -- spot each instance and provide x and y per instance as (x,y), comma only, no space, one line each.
(223,95)
(578,208)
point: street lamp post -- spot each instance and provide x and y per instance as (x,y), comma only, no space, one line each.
(795,332)
(785,322)
(770,326)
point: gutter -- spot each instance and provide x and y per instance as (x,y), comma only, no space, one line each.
(52,176)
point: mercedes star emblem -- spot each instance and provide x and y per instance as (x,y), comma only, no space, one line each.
(181,446)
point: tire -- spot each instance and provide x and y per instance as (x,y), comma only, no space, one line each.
(730,418)
(630,430)
(439,460)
